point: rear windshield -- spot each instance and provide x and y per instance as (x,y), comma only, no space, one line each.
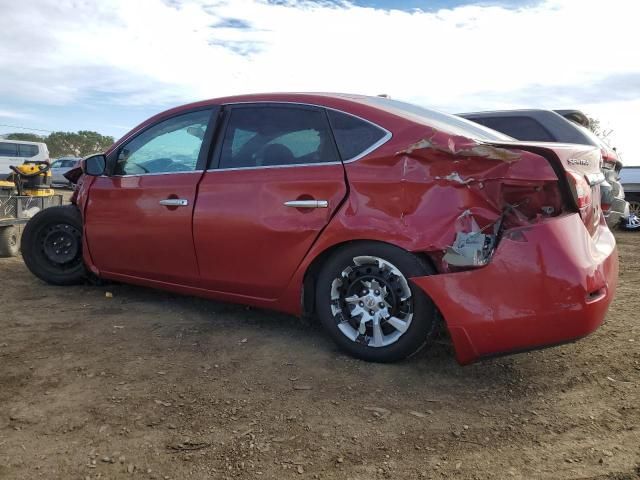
(520,127)
(438,120)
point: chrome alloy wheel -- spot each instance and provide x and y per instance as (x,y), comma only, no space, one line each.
(371,302)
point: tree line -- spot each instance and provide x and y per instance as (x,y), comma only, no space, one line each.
(74,144)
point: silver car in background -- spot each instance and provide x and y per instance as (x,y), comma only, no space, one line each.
(59,167)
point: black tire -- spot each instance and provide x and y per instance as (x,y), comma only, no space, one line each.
(424,315)
(52,246)
(9,244)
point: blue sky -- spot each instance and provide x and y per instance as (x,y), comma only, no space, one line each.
(108,65)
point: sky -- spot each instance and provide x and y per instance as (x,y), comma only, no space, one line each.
(108,65)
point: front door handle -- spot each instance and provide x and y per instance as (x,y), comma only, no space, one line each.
(307,204)
(174,202)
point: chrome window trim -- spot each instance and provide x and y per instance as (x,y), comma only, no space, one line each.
(262,167)
(387,136)
(153,174)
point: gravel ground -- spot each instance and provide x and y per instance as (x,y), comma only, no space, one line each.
(125,382)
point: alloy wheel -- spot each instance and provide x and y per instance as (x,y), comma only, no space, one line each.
(371,302)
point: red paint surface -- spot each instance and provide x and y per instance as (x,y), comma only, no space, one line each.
(554,284)
(129,233)
(238,242)
(247,241)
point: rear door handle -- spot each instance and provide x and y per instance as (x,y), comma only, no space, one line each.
(307,204)
(174,202)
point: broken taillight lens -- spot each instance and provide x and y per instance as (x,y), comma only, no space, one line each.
(580,188)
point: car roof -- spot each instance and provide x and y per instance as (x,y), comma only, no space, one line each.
(22,142)
(560,128)
(376,109)
(504,113)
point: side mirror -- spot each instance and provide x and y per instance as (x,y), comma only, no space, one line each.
(95,165)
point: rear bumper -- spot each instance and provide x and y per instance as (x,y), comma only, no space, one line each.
(547,284)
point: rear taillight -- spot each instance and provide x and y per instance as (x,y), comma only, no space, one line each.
(580,189)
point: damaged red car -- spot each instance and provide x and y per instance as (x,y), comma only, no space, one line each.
(382,219)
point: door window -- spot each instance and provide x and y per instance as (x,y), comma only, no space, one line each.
(169,146)
(277,136)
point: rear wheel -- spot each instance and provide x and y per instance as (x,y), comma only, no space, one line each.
(634,207)
(368,305)
(9,245)
(52,246)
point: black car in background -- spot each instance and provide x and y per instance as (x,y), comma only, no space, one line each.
(562,126)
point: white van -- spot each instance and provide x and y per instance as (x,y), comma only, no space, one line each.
(15,152)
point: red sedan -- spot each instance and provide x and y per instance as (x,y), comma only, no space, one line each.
(382,219)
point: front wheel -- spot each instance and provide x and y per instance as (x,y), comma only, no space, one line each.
(367,304)
(52,246)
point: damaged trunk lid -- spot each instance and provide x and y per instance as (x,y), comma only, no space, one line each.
(579,171)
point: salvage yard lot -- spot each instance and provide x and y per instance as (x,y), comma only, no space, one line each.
(145,384)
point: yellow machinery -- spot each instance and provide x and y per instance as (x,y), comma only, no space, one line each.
(33,179)
(26,192)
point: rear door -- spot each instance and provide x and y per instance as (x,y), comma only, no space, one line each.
(276,181)
(138,221)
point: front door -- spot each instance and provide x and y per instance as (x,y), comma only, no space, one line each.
(278,181)
(139,219)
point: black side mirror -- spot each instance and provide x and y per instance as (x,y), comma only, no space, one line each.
(95,165)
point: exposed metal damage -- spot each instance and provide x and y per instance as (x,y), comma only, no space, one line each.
(461,147)
(494,189)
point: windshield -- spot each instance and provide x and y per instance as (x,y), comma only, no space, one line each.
(438,120)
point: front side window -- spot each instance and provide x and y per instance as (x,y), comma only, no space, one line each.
(8,149)
(264,136)
(354,136)
(170,146)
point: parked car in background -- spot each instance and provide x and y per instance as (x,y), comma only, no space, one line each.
(378,217)
(59,167)
(630,179)
(15,152)
(552,126)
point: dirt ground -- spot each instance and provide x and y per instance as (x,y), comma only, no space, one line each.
(146,384)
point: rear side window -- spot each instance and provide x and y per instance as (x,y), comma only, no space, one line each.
(27,151)
(518,127)
(267,136)
(353,135)
(8,149)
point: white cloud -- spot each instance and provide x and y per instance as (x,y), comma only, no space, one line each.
(10,114)
(475,57)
